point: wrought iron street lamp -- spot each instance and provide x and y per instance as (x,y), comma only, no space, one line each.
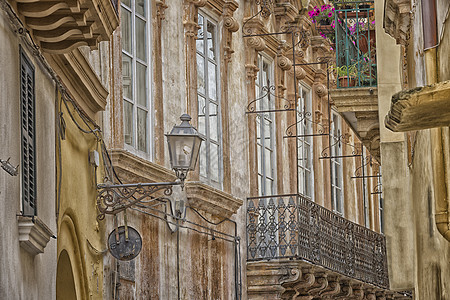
(184,144)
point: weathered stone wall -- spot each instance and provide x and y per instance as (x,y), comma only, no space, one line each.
(23,276)
(418,254)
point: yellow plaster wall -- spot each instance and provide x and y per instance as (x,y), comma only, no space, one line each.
(77,222)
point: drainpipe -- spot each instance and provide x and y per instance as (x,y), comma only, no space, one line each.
(439,155)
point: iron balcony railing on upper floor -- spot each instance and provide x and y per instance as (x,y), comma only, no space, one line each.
(354,29)
(293,227)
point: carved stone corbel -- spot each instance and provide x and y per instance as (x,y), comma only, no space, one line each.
(230,25)
(292,275)
(319,286)
(306,282)
(161,7)
(346,290)
(358,292)
(321,90)
(257,43)
(283,62)
(333,288)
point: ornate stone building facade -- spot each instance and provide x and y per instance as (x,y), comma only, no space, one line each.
(284,202)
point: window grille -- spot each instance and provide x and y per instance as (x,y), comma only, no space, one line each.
(28,146)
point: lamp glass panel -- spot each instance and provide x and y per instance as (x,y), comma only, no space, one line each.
(181,151)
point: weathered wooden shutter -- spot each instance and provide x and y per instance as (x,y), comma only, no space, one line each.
(27,109)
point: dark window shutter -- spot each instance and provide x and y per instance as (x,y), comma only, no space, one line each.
(27,109)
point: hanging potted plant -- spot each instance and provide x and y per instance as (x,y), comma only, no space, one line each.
(323,17)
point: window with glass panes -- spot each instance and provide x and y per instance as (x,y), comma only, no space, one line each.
(135,26)
(209,100)
(336,164)
(265,136)
(304,143)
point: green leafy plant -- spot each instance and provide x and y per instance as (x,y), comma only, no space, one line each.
(350,70)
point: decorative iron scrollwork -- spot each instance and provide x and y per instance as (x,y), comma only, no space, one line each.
(266,9)
(304,116)
(268,92)
(339,141)
(360,173)
(112,199)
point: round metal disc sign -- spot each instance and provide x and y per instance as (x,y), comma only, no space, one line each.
(125,249)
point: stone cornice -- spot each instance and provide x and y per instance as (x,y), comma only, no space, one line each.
(420,108)
(61,26)
(355,99)
(81,80)
(211,200)
(135,169)
(398,19)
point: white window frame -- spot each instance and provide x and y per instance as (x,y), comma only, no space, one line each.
(337,182)
(205,157)
(305,143)
(148,153)
(263,142)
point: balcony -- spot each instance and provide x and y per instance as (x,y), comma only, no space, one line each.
(297,246)
(61,26)
(356,96)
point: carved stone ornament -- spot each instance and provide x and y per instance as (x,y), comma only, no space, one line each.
(257,43)
(321,90)
(231,24)
(300,73)
(284,63)
(161,6)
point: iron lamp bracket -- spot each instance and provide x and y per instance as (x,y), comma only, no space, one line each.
(114,198)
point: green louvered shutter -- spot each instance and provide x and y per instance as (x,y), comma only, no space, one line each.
(27,109)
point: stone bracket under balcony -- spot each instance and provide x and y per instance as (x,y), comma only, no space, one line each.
(296,279)
(359,107)
(420,108)
(34,235)
(61,26)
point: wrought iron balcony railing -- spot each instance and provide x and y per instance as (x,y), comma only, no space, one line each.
(291,226)
(355,44)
